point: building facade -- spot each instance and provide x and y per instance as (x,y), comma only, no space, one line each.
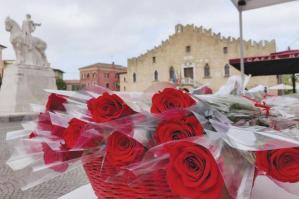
(73,85)
(191,57)
(101,74)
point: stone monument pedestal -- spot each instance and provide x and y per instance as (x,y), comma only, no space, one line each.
(23,85)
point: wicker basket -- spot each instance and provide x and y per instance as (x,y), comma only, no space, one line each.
(150,186)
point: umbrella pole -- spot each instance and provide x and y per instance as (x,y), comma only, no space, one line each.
(241,49)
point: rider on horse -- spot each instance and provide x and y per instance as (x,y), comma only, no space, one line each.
(28,27)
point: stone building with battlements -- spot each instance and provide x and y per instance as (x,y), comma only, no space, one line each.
(191,57)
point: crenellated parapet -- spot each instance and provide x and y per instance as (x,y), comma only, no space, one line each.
(208,33)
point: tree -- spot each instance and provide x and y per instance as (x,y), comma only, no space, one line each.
(61,85)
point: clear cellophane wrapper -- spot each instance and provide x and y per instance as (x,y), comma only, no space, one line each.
(232,147)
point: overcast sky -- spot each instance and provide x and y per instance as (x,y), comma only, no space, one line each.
(80,32)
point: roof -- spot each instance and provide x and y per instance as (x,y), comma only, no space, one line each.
(1,46)
(285,62)
(287,52)
(104,65)
(56,69)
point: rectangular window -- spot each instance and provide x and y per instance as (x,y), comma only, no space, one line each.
(225,50)
(106,75)
(188,49)
(154,59)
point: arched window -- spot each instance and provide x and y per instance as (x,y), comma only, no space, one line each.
(124,88)
(87,75)
(225,50)
(171,74)
(226,71)
(188,49)
(134,77)
(154,59)
(156,75)
(107,85)
(207,71)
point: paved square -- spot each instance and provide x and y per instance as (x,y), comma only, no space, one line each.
(9,180)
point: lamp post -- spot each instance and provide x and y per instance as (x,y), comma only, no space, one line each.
(241,3)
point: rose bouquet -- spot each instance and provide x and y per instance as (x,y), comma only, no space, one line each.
(167,144)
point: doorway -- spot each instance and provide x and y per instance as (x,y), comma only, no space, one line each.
(188,72)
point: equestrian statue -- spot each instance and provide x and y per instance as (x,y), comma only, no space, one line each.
(29,50)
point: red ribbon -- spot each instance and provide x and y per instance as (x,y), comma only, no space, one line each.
(261,105)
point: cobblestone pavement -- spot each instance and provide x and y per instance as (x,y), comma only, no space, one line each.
(10,181)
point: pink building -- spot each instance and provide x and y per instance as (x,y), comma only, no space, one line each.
(106,75)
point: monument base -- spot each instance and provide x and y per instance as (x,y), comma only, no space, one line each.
(17,117)
(23,85)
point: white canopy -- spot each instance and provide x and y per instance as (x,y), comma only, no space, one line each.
(253,4)
(243,5)
(281,87)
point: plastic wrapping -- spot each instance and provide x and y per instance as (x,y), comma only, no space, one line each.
(229,161)
(233,86)
(235,108)
(126,137)
(285,106)
(258,138)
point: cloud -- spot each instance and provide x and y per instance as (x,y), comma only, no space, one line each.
(79,32)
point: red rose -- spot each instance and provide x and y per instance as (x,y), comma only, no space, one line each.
(55,103)
(193,172)
(123,150)
(180,126)
(280,164)
(108,107)
(170,98)
(33,148)
(73,132)
(52,157)
(32,135)
(57,159)
(44,124)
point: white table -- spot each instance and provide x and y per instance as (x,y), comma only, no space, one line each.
(264,188)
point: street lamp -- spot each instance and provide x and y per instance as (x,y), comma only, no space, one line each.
(241,4)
